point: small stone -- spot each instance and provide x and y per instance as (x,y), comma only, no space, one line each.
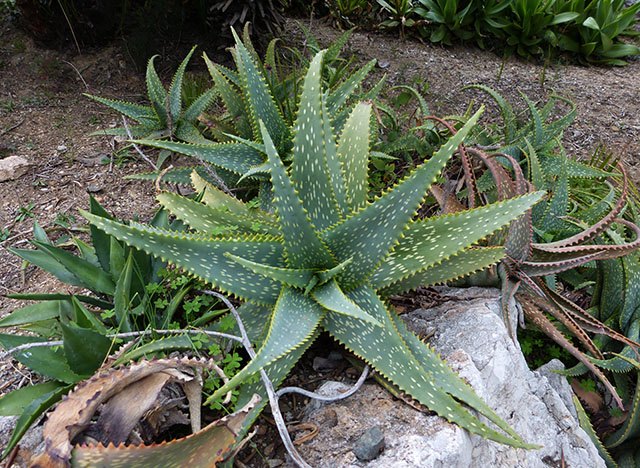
(274,462)
(369,445)
(62,148)
(13,167)
(383,64)
(94,188)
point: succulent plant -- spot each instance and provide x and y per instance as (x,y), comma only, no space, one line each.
(165,117)
(326,255)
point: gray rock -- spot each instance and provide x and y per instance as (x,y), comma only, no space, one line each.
(13,167)
(470,334)
(369,445)
(31,443)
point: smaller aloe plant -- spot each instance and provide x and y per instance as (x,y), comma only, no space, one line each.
(529,268)
(324,257)
(165,117)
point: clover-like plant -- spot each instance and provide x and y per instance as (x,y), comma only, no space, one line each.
(327,256)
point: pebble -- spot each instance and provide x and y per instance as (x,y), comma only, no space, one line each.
(369,445)
(62,148)
(274,462)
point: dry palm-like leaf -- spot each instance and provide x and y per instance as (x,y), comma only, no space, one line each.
(128,394)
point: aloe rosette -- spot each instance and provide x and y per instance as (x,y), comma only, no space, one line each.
(326,257)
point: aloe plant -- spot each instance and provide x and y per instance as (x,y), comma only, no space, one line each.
(165,117)
(324,257)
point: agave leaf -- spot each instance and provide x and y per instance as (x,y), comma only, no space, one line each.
(583,418)
(388,353)
(49,264)
(369,234)
(84,349)
(210,220)
(41,311)
(303,247)
(331,297)
(294,320)
(234,157)
(205,257)
(122,296)
(309,168)
(452,268)
(451,233)
(14,403)
(353,152)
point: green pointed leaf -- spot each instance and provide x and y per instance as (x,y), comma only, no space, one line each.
(84,349)
(156,92)
(175,90)
(260,102)
(231,98)
(31,412)
(234,157)
(430,241)
(205,257)
(388,353)
(86,318)
(291,277)
(446,378)
(303,247)
(49,264)
(538,134)
(61,297)
(210,220)
(457,266)
(141,114)
(216,198)
(558,205)
(198,106)
(295,319)
(326,275)
(331,297)
(353,152)
(45,361)
(157,347)
(37,313)
(14,403)
(506,110)
(309,168)
(631,426)
(339,96)
(372,232)
(89,275)
(122,296)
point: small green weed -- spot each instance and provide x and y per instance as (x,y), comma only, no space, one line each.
(5,234)
(24,212)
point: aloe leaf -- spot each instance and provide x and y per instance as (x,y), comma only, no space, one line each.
(84,349)
(452,233)
(295,319)
(553,165)
(310,169)
(296,278)
(37,313)
(156,92)
(353,152)
(141,114)
(198,106)
(154,348)
(231,98)
(86,318)
(446,378)
(557,207)
(45,361)
(216,198)
(583,419)
(14,403)
(631,425)
(200,450)
(538,128)
(175,89)
(49,264)
(234,157)
(122,296)
(372,232)
(91,276)
(387,352)
(260,102)
(210,220)
(205,257)
(331,297)
(508,116)
(457,266)
(339,96)
(187,131)
(303,247)
(31,412)
(62,297)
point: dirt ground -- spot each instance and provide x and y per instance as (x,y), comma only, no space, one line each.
(45,118)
